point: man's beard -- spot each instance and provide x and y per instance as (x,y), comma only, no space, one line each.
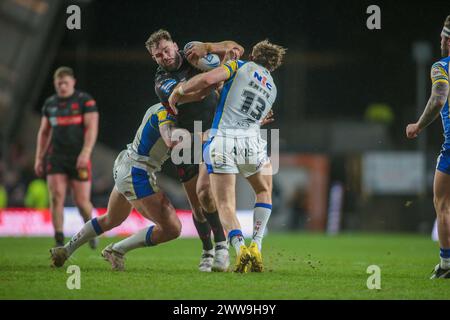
(175,65)
(444,52)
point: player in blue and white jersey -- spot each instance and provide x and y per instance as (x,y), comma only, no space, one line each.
(438,103)
(235,144)
(135,186)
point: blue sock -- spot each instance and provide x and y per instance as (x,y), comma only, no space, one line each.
(148,237)
(98,230)
(236,239)
(445,258)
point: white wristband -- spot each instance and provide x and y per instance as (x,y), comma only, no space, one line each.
(180,90)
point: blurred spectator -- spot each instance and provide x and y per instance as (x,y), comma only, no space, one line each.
(37,195)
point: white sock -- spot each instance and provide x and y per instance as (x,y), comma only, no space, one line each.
(138,240)
(261,215)
(90,230)
(236,239)
(445,263)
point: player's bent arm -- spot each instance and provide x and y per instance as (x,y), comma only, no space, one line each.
(90,135)
(43,138)
(438,98)
(222,49)
(197,83)
(195,96)
(203,81)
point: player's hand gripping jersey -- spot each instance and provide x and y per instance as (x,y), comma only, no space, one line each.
(235,144)
(134,167)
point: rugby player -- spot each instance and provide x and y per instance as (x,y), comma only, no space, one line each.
(438,103)
(65,141)
(135,186)
(235,145)
(173,69)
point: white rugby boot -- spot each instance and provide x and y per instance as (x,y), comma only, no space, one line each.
(206,261)
(114,257)
(221,258)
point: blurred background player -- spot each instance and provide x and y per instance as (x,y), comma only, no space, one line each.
(66,138)
(135,186)
(438,103)
(174,68)
(235,144)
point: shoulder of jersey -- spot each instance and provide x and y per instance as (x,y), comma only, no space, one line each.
(83,95)
(156,107)
(160,72)
(51,99)
(159,107)
(442,63)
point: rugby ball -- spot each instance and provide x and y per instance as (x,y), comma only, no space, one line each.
(206,63)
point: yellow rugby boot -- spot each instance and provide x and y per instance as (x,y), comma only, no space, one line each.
(242,260)
(256,258)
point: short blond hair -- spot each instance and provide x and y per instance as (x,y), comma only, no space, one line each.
(156,37)
(63,71)
(267,54)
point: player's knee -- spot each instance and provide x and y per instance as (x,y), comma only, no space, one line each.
(442,205)
(176,229)
(172,229)
(198,214)
(206,199)
(57,199)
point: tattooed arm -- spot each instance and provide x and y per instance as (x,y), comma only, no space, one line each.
(439,96)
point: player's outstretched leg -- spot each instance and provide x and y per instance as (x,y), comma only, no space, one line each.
(221,257)
(81,196)
(156,208)
(261,183)
(442,206)
(118,210)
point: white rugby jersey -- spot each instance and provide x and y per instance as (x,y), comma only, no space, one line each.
(148,147)
(247,96)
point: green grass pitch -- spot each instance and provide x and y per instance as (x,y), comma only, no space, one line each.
(298,266)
